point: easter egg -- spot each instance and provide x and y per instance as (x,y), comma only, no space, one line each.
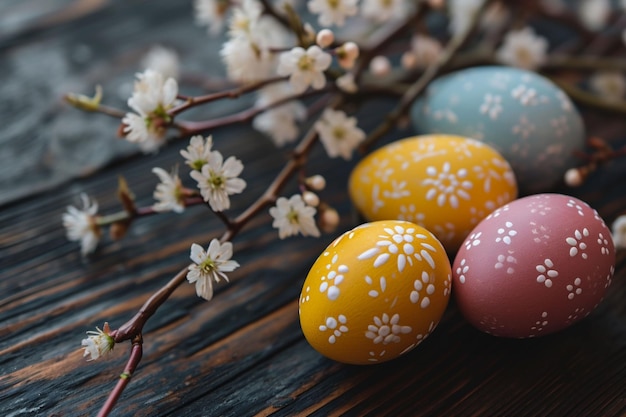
(444,183)
(534,266)
(523,115)
(375,293)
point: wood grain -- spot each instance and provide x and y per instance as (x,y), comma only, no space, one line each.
(243,352)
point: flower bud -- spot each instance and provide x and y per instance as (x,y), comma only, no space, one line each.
(409,60)
(380,65)
(310,198)
(347,54)
(575,177)
(329,220)
(316,182)
(325,38)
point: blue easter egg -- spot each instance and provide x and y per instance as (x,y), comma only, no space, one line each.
(527,118)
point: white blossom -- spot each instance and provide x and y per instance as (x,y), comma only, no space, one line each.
(98,343)
(523,49)
(280,122)
(332,12)
(619,232)
(198,152)
(246,61)
(594,13)
(162,60)
(169,192)
(380,66)
(610,85)
(211,13)
(248,53)
(346,83)
(218,179)
(339,133)
(245,15)
(293,216)
(80,224)
(384,10)
(209,266)
(153,95)
(305,67)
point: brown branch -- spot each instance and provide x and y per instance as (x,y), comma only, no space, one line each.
(297,160)
(230,94)
(134,326)
(244,116)
(133,361)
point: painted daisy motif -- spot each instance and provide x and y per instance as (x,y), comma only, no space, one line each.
(336,326)
(546,273)
(402,244)
(386,329)
(446,186)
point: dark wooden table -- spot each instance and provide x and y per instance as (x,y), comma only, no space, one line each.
(243,352)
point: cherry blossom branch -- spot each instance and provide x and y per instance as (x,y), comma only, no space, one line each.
(125,215)
(133,328)
(134,359)
(422,82)
(192,127)
(230,94)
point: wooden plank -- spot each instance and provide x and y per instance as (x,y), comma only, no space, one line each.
(241,353)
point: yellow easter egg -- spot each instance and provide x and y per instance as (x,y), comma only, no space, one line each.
(444,183)
(375,293)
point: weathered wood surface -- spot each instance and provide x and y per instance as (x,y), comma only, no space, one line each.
(243,352)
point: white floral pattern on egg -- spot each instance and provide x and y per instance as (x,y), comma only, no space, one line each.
(375,293)
(552,272)
(444,183)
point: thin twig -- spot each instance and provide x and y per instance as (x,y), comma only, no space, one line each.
(134,326)
(230,94)
(192,127)
(133,361)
